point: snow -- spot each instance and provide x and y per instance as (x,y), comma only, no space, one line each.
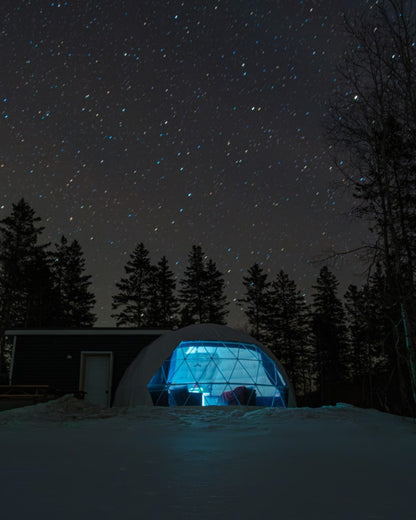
(68,459)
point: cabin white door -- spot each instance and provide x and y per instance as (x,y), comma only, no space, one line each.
(95,377)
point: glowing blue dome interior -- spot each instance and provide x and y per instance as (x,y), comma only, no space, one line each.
(204,373)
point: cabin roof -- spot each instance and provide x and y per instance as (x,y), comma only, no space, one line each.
(96,331)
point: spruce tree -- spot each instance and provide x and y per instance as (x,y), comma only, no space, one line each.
(373,339)
(288,334)
(360,342)
(26,293)
(329,331)
(192,292)
(72,286)
(135,290)
(215,294)
(163,303)
(355,302)
(202,292)
(256,303)
(382,315)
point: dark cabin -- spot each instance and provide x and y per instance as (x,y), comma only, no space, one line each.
(87,362)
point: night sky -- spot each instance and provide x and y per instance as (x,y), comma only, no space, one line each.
(177,123)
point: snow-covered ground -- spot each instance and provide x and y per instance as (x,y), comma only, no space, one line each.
(69,460)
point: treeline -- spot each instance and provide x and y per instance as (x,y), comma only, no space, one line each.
(147,295)
(332,349)
(40,285)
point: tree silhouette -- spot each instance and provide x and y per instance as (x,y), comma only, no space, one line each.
(164,304)
(26,293)
(192,292)
(288,332)
(374,127)
(202,291)
(328,326)
(75,301)
(256,303)
(215,294)
(135,290)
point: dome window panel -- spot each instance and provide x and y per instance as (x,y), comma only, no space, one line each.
(212,373)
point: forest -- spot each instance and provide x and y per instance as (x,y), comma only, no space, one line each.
(333,349)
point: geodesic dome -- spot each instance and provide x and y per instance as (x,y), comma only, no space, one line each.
(205,365)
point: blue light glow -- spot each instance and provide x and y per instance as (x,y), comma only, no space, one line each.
(203,373)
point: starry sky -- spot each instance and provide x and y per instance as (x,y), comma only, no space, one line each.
(178,123)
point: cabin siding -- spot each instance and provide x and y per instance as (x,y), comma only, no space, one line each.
(54,360)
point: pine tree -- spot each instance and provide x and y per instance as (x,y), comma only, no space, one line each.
(288,333)
(164,305)
(360,341)
(75,300)
(202,292)
(328,326)
(192,292)
(41,308)
(256,303)
(215,294)
(355,302)
(373,340)
(26,295)
(135,290)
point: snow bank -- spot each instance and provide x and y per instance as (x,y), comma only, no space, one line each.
(65,408)
(69,408)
